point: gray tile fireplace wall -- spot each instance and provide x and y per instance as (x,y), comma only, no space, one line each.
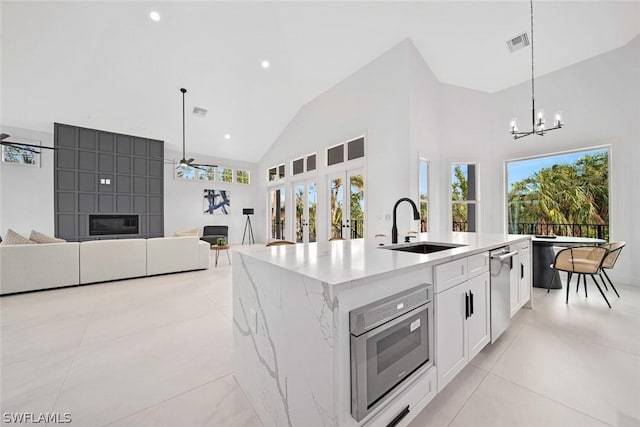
(98,172)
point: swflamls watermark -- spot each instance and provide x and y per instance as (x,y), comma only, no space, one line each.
(36,417)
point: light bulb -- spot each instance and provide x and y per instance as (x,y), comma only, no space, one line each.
(227,136)
(155,16)
(265,64)
(558,119)
(514,125)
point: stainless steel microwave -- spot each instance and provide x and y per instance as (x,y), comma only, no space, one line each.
(390,339)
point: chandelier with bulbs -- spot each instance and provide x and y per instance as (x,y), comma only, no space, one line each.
(538,122)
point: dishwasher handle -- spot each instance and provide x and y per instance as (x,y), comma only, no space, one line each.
(503,257)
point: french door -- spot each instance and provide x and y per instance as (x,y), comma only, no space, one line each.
(305,195)
(277,213)
(346,205)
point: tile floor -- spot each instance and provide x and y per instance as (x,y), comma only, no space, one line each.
(157,352)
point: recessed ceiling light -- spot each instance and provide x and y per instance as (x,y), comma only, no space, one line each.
(155,16)
(265,64)
(227,136)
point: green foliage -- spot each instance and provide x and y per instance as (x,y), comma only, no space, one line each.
(459,192)
(563,194)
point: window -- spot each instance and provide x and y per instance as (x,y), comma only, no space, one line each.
(206,173)
(21,155)
(185,172)
(335,155)
(561,194)
(276,172)
(242,176)
(311,162)
(354,150)
(225,174)
(463,197)
(423,190)
(298,166)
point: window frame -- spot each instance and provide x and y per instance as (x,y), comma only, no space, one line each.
(475,201)
(422,159)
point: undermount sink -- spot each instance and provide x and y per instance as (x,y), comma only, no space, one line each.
(422,247)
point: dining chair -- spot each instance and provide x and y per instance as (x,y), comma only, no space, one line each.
(280,243)
(610,261)
(581,260)
(333,239)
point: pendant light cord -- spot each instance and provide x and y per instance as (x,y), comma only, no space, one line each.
(183,146)
(533,98)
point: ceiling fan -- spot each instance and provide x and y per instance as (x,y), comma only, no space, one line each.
(184,161)
(33,148)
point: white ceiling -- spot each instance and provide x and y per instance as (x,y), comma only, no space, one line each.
(106,65)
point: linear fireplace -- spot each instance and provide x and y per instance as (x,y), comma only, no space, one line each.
(102,225)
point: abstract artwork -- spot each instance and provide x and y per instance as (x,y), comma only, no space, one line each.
(216,202)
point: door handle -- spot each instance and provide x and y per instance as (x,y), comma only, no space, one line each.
(471,299)
(466,305)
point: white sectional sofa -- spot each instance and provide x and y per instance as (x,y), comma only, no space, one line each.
(171,254)
(31,267)
(52,265)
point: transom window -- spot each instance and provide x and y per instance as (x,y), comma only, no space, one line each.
(350,150)
(276,172)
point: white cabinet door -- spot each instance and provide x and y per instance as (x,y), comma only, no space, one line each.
(479,321)
(514,283)
(450,334)
(524,292)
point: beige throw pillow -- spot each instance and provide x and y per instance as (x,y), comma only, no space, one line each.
(193,232)
(13,238)
(39,237)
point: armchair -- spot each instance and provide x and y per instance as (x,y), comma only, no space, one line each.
(212,233)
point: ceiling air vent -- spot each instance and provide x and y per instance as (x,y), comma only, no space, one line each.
(518,42)
(200,112)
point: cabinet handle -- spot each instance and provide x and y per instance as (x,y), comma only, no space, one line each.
(522,271)
(471,298)
(466,305)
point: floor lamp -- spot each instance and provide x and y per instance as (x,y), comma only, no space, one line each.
(247,226)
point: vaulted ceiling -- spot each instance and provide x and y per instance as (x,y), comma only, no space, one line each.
(107,65)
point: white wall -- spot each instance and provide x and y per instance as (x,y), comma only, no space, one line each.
(425,135)
(600,100)
(374,102)
(183,199)
(26,192)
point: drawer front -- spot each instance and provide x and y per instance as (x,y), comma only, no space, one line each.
(450,274)
(478,264)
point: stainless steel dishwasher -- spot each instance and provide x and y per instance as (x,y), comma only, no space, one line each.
(501,265)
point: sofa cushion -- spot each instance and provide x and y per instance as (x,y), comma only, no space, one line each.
(104,260)
(172,254)
(13,238)
(192,232)
(39,237)
(31,267)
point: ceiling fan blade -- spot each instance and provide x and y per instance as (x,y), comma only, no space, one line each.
(190,161)
(4,136)
(24,145)
(204,165)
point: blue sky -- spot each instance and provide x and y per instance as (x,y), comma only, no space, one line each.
(521,169)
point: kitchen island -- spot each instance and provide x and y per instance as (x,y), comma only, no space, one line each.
(291,314)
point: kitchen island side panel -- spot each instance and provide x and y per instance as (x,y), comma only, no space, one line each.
(283,343)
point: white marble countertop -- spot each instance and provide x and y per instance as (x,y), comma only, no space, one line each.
(346,260)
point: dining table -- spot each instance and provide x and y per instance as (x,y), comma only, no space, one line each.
(544,257)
